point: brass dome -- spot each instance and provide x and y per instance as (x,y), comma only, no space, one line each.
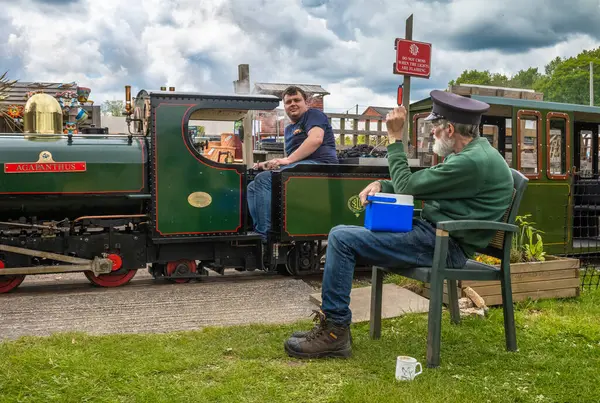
(42,115)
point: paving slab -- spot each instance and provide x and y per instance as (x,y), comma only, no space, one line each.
(49,305)
(397,301)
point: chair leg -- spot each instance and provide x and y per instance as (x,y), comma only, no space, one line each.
(509,313)
(453,301)
(434,326)
(376,300)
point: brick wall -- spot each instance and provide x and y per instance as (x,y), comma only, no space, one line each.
(316,103)
(268,122)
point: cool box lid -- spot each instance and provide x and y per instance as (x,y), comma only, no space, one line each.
(392,198)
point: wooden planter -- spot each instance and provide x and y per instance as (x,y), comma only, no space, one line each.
(557,277)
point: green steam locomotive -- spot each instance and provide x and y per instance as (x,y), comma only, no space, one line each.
(109,205)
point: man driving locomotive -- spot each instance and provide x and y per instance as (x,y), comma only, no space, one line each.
(473,182)
(308,140)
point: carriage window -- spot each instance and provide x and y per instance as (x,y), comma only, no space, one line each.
(508,145)
(585,153)
(557,139)
(424,142)
(490,132)
(528,156)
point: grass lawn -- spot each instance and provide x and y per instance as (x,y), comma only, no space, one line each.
(559,360)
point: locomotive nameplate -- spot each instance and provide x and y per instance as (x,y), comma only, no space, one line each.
(199,199)
(45,164)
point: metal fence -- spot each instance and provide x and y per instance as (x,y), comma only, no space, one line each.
(582,227)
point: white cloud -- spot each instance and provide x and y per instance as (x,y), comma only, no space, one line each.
(346,46)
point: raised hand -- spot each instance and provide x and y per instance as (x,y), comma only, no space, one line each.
(394,122)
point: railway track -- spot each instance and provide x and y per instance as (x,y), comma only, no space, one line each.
(48,304)
(76,282)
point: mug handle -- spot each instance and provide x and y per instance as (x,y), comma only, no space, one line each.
(420,368)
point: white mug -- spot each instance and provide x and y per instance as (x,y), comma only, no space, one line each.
(406,368)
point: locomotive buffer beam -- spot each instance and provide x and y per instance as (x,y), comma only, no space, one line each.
(97,265)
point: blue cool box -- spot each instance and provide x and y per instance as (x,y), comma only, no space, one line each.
(388,212)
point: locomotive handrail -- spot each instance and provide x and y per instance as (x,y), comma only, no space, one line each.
(66,136)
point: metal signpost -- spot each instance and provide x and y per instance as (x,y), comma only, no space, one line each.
(412,59)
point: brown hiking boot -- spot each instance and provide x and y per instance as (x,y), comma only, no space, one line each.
(319,318)
(325,340)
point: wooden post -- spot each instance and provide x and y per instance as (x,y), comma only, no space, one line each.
(247,149)
(406,87)
(242,86)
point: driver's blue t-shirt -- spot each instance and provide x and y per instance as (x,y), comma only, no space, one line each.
(296,133)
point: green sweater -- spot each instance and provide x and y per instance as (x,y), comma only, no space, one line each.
(475,184)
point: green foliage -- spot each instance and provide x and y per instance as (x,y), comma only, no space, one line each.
(563,80)
(482,78)
(114,108)
(362,139)
(527,243)
(5,87)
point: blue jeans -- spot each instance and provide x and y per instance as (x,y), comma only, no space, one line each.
(347,245)
(259,198)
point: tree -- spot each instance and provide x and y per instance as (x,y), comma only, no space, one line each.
(114,108)
(569,79)
(6,86)
(525,78)
(473,77)
(550,67)
(563,80)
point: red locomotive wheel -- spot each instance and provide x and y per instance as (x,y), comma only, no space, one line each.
(182,266)
(112,280)
(9,283)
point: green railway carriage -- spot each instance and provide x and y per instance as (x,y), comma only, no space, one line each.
(556,146)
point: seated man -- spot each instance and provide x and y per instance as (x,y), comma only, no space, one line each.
(473,182)
(308,140)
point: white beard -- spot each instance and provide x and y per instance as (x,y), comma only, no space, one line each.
(444,146)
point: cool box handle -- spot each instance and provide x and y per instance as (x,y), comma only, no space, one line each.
(381,199)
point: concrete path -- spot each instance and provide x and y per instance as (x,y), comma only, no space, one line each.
(66,302)
(397,301)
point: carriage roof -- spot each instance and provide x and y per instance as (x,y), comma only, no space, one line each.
(519,103)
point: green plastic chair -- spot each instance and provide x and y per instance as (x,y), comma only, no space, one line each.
(499,247)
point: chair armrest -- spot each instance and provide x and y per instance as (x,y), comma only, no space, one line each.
(417,212)
(475,224)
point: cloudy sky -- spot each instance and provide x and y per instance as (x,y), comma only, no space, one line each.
(347,46)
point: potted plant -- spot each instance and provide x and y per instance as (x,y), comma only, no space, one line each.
(534,273)
(527,244)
